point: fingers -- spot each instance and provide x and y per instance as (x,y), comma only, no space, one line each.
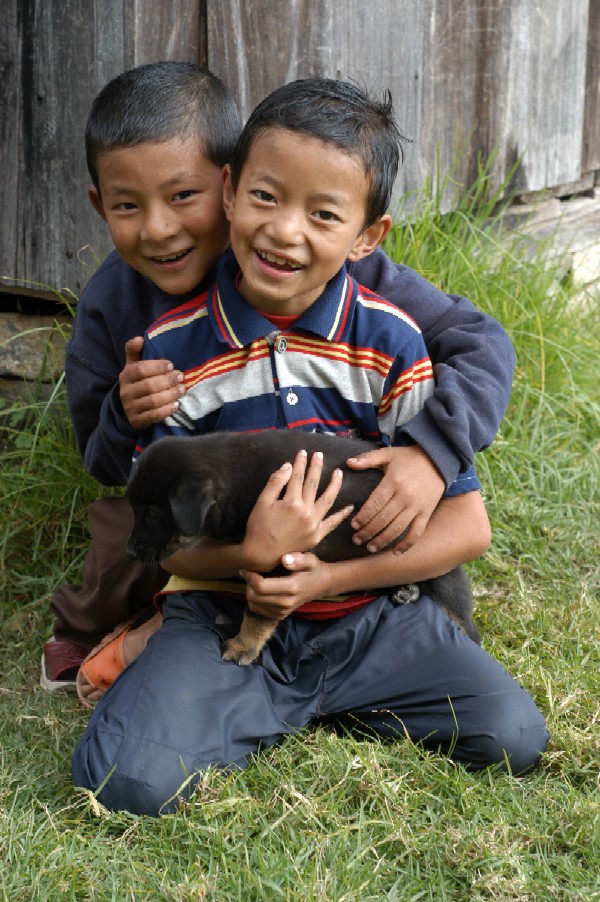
(373,517)
(150,390)
(410,536)
(370,459)
(379,523)
(275,484)
(304,485)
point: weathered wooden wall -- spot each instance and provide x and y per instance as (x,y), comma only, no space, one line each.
(55,55)
(517,77)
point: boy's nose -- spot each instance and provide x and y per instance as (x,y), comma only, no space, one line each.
(159,224)
(285,228)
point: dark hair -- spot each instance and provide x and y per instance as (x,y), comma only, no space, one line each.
(339,113)
(158,102)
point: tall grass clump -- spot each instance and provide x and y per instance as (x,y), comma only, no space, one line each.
(324,816)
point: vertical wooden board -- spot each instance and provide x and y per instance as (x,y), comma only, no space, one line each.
(591,117)
(10,69)
(165,31)
(546,88)
(50,152)
(256,47)
(381,45)
(52,87)
(464,99)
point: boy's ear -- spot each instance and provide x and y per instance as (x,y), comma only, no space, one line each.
(371,238)
(96,201)
(228,192)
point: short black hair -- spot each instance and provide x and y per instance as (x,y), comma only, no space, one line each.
(158,102)
(338,113)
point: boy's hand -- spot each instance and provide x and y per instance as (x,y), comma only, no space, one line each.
(296,520)
(149,389)
(279,596)
(404,499)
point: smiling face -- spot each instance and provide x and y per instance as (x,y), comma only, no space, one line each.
(296,215)
(163,204)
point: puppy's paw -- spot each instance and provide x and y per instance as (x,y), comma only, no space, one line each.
(238,652)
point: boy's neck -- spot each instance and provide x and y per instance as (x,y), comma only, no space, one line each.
(280,320)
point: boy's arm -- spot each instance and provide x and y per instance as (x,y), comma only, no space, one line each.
(104,437)
(101,374)
(457,532)
(473,362)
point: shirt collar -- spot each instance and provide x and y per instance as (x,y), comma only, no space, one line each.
(238,324)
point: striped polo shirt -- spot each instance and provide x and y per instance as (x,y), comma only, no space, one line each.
(352,364)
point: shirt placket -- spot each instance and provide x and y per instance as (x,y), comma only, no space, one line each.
(287,397)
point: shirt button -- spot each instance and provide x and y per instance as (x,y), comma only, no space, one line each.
(291,397)
(281,345)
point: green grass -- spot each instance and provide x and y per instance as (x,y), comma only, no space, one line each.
(325,817)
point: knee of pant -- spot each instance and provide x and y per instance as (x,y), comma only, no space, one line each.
(101,765)
(512,734)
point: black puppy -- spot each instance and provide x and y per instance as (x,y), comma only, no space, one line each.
(188,488)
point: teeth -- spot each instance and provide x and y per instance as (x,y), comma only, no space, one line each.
(280,261)
(170,257)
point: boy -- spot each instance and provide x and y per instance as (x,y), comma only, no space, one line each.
(285,338)
(113,396)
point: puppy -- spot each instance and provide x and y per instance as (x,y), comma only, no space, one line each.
(187,488)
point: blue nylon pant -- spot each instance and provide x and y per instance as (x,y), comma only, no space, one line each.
(386,669)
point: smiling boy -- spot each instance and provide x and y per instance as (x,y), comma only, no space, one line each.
(285,338)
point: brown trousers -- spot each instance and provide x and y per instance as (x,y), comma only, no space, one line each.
(113,587)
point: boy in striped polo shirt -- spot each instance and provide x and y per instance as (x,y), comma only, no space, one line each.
(285,338)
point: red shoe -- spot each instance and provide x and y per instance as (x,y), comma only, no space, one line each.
(60,663)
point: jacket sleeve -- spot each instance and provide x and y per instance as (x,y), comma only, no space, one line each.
(103,435)
(473,362)
(95,356)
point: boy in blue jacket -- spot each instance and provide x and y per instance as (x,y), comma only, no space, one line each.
(179,125)
(285,338)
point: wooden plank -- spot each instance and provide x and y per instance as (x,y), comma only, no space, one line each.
(590,159)
(255,47)
(382,45)
(43,244)
(164,31)
(10,138)
(546,78)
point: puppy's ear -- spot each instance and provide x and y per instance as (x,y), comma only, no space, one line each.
(190,505)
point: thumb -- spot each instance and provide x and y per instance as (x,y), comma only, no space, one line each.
(378,458)
(133,349)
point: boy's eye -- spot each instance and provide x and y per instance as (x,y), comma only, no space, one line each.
(125,205)
(326,216)
(262,196)
(183,195)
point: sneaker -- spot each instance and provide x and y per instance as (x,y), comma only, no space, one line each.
(60,663)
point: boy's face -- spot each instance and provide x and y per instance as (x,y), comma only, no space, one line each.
(296,216)
(163,204)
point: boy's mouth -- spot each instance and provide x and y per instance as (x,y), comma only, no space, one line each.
(171,258)
(280,263)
